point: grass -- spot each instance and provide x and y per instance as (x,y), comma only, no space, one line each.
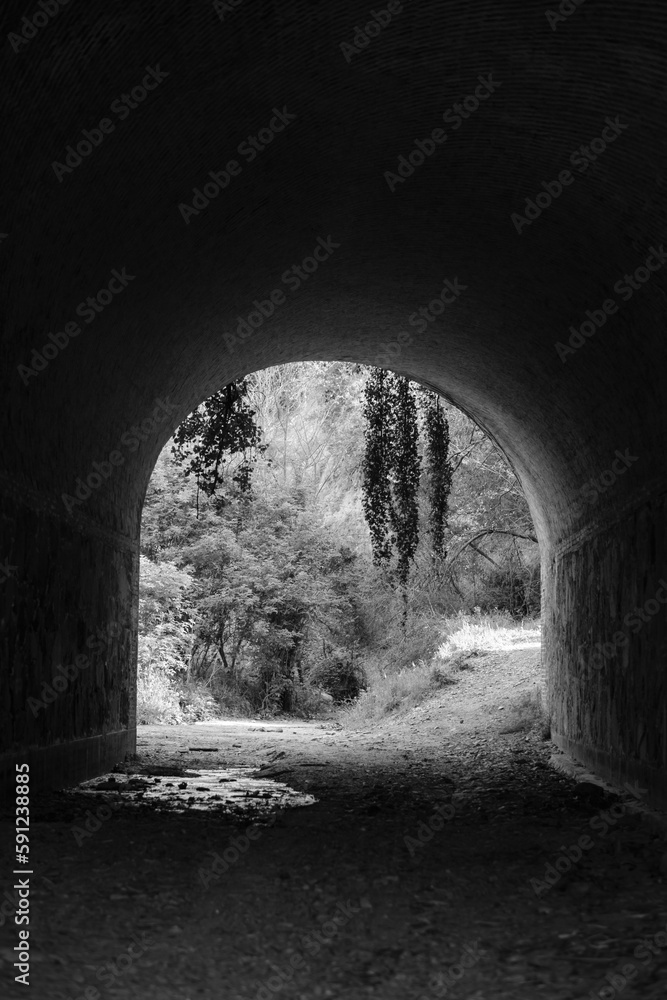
(472,634)
(413,668)
(162,699)
(526,712)
(465,636)
(156,699)
(399,691)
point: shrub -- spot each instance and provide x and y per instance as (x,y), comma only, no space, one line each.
(196,702)
(310,701)
(397,691)
(392,687)
(340,676)
(156,699)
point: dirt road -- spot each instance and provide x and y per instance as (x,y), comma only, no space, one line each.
(441,859)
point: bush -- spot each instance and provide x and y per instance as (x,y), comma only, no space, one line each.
(311,701)
(232,701)
(157,701)
(397,692)
(196,702)
(516,592)
(340,675)
(394,686)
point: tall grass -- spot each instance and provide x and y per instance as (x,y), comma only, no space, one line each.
(485,632)
(396,687)
(397,692)
(157,700)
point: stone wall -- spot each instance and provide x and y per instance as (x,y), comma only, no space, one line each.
(165,336)
(605,634)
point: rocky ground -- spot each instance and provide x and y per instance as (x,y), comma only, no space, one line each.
(442,858)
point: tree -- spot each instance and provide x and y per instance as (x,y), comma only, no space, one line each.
(284,595)
(223,426)
(167,618)
(310,415)
(266,595)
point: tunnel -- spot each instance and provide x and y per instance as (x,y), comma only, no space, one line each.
(469,194)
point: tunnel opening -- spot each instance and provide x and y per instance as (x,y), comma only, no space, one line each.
(575,630)
(211,638)
(595,652)
(548,329)
(501,161)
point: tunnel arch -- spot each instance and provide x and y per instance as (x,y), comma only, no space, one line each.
(185,282)
(294,403)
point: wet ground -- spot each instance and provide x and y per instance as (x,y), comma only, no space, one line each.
(432,856)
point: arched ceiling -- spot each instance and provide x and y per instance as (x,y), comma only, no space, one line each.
(221,75)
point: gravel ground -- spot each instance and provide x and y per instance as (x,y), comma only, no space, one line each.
(421,870)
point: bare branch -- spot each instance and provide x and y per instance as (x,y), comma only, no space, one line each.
(490,531)
(482,553)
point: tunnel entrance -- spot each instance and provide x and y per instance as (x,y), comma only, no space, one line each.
(271,544)
(539,242)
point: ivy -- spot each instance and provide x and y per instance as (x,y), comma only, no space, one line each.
(392,469)
(440,471)
(377,500)
(405,476)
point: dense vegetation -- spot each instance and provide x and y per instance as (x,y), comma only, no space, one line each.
(260,592)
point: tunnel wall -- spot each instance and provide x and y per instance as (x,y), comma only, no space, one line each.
(68,690)
(605,648)
(165,336)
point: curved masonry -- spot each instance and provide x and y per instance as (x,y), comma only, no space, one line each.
(471,194)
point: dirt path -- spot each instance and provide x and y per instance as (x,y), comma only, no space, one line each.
(409,877)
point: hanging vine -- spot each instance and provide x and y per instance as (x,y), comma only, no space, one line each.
(439,469)
(405,476)
(376,491)
(392,469)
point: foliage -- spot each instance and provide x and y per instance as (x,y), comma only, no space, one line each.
(398,683)
(260,599)
(166,617)
(439,469)
(223,426)
(378,463)
(340,675)
(392,469)
(398,692)
(166,622)
(157,698)
(405,476)
(264,594)
(528,712)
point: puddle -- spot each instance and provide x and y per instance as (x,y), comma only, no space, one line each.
(227,790)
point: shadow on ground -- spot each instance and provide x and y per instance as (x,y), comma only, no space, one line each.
(434,862)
